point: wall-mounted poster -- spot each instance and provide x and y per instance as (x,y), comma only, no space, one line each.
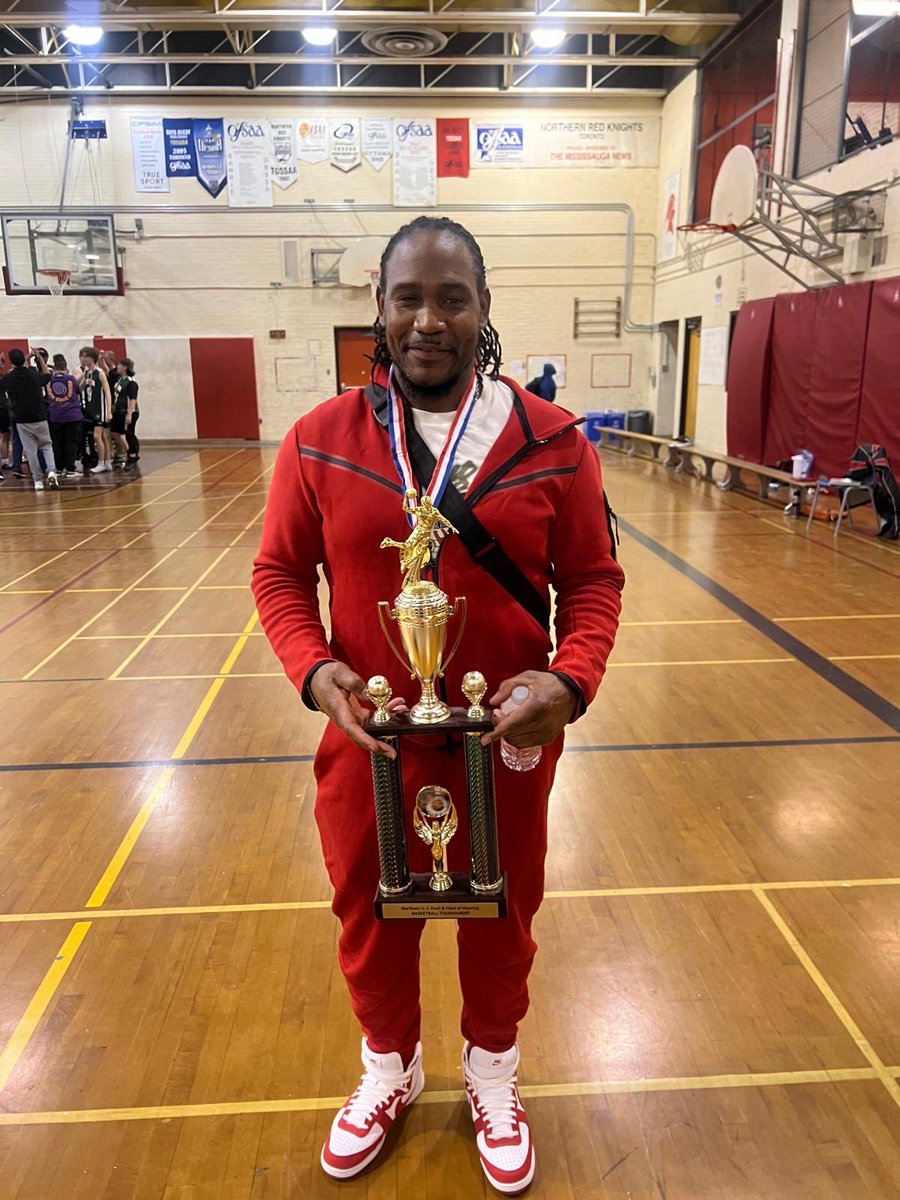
(566,142)
(209,149)
(148,154)
(415,162)
(178,136)
(502,145)
(344,145)
(312,140)
(452,148)
(377,141)
(284,152)
(668,242)
(713,355)
(249,149)
(534,366)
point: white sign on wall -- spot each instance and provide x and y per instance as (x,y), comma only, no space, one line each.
(668,242)
(312,140)
(713,355)
(415,162)
(284,153)
(148,153)
(248,152)
(344,143)
(566,142)
(377,141)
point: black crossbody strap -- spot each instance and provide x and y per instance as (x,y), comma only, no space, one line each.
(482,546)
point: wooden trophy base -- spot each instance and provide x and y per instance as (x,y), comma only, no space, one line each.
(459,902)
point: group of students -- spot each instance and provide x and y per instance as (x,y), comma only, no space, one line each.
(78,421)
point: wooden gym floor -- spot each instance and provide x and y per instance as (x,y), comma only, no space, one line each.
(716,1009)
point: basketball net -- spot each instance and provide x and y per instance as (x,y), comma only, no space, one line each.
(374,274)
(696,239)
(57,281)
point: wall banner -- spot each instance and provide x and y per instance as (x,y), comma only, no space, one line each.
(284,153)
(344,146)
(499,145)
(566,142)
(668,242)
(178,136)
(312,140)
(249,150)
(148,154)
(415,162)
(452,148)
(209,147)
(377,141)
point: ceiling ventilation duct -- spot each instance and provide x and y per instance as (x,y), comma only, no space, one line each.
(404,43)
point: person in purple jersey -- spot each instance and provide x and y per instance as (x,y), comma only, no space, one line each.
(64,413)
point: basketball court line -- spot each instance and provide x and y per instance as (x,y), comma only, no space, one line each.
(535,1091)
(105,609)
(113,524)
(879,707)
(276,906)
(865,1047)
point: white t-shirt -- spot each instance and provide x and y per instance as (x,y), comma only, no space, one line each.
(491,412)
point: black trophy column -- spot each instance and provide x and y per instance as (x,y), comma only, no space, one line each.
(388,787)
(486,875)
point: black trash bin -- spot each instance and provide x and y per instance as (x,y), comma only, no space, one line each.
(639,420)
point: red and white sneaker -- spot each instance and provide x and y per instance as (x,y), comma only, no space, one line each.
(502,1131)
(359,1129)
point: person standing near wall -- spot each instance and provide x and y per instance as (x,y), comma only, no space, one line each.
(125,413)
(96,401)
(64,411)
(28,402)
(544,385)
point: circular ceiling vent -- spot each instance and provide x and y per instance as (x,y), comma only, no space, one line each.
(404,43)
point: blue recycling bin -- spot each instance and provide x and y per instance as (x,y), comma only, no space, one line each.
(614,420)
(593,423)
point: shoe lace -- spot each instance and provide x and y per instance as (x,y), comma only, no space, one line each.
(497,1103)
(372,1094)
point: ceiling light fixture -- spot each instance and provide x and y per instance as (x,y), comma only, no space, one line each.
(83,35)
(319,35)
(876,8)
(548,37)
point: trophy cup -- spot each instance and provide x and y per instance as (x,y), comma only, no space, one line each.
(422,612)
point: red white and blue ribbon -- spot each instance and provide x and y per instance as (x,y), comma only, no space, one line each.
(447,456)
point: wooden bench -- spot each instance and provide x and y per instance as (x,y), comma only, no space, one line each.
(694,460)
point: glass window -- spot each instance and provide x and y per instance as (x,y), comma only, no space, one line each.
(873,84)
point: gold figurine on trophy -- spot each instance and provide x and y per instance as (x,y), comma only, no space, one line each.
(435,821)
(422,610)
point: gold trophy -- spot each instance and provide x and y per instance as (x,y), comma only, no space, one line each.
(422,612)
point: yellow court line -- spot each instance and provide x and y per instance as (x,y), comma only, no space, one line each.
(22,1033)
(275,906)
(536,1091)
(181,678)
(159,637)
(701,662)
(113,524)
(858,657)
(171,588)
(131,587)
(29,592)
(862,1043)
(225,587)
(94,590)
(853,617)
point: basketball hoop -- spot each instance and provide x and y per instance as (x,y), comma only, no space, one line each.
(57,281)
(695,247)
(374,274)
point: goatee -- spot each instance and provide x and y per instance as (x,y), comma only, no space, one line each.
(427,393)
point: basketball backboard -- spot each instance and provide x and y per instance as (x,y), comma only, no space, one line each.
(39,249)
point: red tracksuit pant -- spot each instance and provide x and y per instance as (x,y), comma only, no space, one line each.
(380,959)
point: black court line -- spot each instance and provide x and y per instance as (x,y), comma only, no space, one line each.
(611,748)
(870,700)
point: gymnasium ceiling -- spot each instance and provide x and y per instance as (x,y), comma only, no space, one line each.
(383,47)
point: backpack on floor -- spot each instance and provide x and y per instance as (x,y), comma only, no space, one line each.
(870,464)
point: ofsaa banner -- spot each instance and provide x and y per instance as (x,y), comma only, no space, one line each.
(209,147)
(566,142)
(249,151)
(284,153)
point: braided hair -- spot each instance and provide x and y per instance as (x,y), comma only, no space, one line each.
(489,350)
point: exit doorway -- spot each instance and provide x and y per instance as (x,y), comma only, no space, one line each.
(353,351)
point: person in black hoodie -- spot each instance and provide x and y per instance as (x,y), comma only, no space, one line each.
(24,386)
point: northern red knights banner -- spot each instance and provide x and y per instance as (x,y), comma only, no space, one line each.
(452,148)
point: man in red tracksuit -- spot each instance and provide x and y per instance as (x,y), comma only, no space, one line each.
(533,481)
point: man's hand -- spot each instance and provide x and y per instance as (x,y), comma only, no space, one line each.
(338,691)
(543,716)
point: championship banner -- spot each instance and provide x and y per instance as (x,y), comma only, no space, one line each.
(377,141)
(415,163)
(148,154)
(566,142)
(209,147)
(312,140)
(452,148)
(344,146)
(284,153)
(668,242)
(178,138)
(249,148)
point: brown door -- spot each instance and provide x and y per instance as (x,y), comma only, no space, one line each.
(689,417)
(353,350)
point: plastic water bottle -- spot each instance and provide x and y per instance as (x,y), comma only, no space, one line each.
(528,757)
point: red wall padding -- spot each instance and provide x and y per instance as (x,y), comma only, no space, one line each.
(792,363)
(749,365)
(879,409)
(7,344)
(839,347)
(224,373)
(116,344)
